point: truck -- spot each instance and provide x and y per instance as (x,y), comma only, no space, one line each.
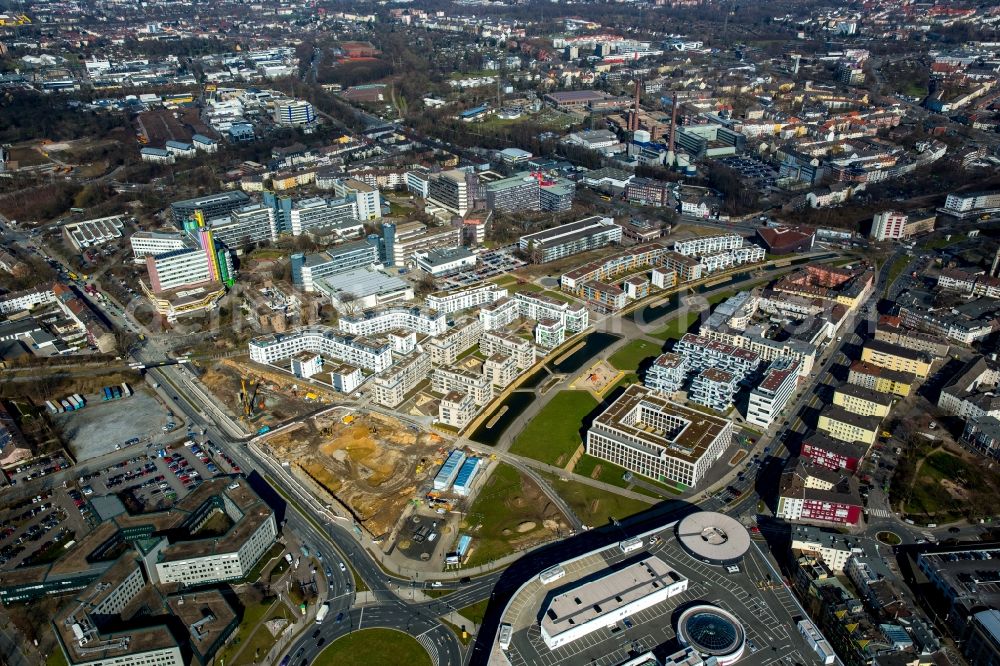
(73,404)
(79,399)
(116,392)
(126,390)
(263,430)
(107,394)
(52,407)
(66,406)
(322,612)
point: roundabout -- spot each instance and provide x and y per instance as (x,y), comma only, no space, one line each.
(374,646)
(889,538)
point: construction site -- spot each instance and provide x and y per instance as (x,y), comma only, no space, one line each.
(261,396)
(373,465)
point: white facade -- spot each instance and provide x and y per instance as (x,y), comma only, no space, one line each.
(889,225)
(575,317)
(703,245)
(373,322)
(179,268)
(145,243)
(221,566)
(456,409)
(346,378)
(770,397)
(373,355)
(391,387)
(25,300)
(477,386)
(461,299)
(319,212)
(367,199)
(499,314)
(521,350)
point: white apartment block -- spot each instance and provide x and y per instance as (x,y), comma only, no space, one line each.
(704,245)
(390,387)
(147,243)
(500,370)
(701,353)
(498,342)
(445,349)
(462,299)
(535,306)
(456,409)
(418,181)
(381,320)
(550,333)
(373,355)
(667,373)
(889,225)
(499,314)
(663,278)
(714,388)
(657,438)
(833,549)
(769,399)
(26,300)
(477,386)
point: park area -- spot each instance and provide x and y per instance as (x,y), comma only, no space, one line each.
(510,514)
(374,646)
(553,435)
(631,356)
(947,486)
(593,506)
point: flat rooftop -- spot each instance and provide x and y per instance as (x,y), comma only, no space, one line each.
(207,615)
(636,416)
(604,595)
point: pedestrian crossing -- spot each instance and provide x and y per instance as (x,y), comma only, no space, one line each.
(879,513)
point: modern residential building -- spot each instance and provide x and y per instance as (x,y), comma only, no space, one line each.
(714,388)
(603,297)
(366,353)
(657,438)
(818,494)
(702,352)
(825,451)
(888,225)
(382,320)
(772,394)
(466,297)
(667,373)
(26,300)
(475,385)
(972,391)
(620,263)
(456,409)
(461,336)
(574,316)
(550,333)
(390,387)
(847,426)
(590,233)
(507,344)
(833,548)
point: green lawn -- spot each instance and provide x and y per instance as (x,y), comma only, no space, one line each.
(56,658)
(252,614)
(554,434)
(629,379)
(896,270)
(261,641)
(631,355)
(494,517)
(939,243)
(476,612)
(595,506)
(435,593)
(677,327)
(274,551)
(611,473)
(464,640)
(374,646)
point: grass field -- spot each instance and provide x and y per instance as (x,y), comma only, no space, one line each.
(252,615)
(56,659)
(595,506)
(476,612)
(458,632)
(677,327)
(374,646)
(895,271)
(261,641)
(554,434)
(630,356)
(929,495)
(602,470)
(497,515)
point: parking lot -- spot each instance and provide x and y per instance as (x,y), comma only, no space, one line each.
(751,169)
(34,530)
(37,469)
(491,264)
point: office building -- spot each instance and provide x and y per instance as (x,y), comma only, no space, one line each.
(595,604)
(294,113)
(970,204)
(772,394)
(390,387)
(516,193)
(363,288)
(590,233)
(400,244)
(450,190)
(212,206)
(367,199)
(666,374)
(146,243)
(369,354)
(657,438)
(88,233)
(308,269)
(255,223)
(418,181)
(443,262)
(317,213)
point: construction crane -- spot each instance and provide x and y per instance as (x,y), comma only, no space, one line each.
(247,398)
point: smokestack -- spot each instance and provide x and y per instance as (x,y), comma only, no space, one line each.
(633,122)
(671,157)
